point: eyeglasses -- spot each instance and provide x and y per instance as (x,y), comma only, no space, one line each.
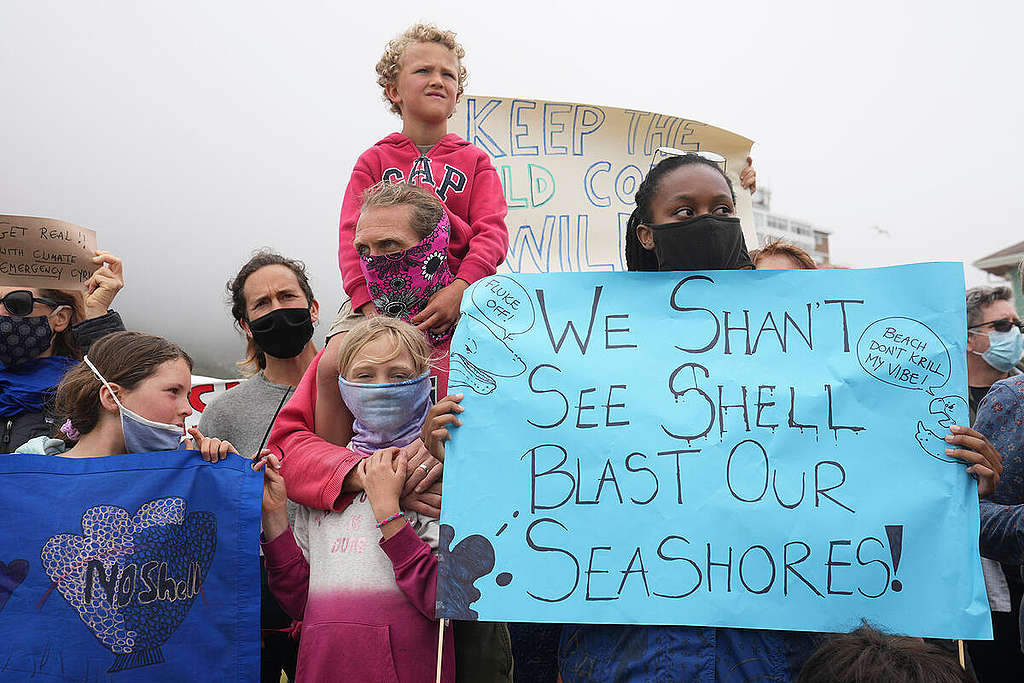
(663,153)
(1002,325)
(20,302)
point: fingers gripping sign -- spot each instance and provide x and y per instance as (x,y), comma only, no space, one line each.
(984,462)
(212,449)
(441,417)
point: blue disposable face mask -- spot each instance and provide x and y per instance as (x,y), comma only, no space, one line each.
(386,414)
(142,435)
(1005,349)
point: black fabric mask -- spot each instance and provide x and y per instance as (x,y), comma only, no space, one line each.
(704,242)
(282,333)
(23,339)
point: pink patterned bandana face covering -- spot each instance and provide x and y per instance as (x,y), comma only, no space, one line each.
(401,283)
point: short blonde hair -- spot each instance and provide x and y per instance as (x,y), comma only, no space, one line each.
(425,209)
(391,61)
(404,335)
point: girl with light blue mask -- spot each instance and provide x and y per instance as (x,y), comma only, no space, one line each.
(370,566)
(130,395)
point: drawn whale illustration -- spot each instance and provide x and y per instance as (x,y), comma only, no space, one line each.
(478,361)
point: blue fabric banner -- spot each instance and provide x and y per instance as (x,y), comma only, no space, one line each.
(736,448)
(139,567)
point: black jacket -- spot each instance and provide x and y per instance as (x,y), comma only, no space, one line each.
(15,431)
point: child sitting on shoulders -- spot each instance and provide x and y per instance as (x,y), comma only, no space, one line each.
(422,75)
(363,580)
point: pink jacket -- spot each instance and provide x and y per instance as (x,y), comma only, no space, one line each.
(464,179)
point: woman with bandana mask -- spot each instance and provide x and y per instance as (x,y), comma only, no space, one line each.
(402,239)
(43,333)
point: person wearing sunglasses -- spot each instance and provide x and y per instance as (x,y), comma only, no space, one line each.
(994,341)
(43,333)
(997,389)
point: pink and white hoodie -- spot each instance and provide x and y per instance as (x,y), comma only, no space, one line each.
(366,604)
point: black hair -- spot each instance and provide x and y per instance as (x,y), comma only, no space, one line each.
(254,356)
(638,258)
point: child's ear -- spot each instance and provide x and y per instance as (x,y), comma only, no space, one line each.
(391,90)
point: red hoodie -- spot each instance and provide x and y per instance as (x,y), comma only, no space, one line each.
(314,468)
(465,181)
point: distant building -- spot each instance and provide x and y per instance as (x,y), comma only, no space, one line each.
(772,226)
(1003,263)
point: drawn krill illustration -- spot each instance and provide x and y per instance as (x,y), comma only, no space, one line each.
(133,579)
(11,575)
(458,569)
(948,411)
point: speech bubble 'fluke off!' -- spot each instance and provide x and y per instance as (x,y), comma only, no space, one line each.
(132,579)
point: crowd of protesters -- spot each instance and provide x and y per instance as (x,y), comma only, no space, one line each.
(358,428)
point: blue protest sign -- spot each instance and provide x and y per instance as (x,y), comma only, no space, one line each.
(733,448)
(138,567)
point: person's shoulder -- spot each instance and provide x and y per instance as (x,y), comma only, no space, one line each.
(42,445)
(1011,386)
(455,144)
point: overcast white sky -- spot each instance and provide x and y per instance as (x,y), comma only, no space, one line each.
(189,133)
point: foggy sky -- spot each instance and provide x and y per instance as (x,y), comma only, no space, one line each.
(191,133)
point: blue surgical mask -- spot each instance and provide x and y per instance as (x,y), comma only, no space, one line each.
(1005,349)
(386,414)
(140,434)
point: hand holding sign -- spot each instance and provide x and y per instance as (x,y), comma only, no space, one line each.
(103,286)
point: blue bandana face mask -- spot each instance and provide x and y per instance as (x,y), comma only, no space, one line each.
(142,435)
(1005,349)
(386,414)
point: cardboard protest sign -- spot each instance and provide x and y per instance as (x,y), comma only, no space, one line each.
(570,171)
(129,568)
(45,252)
(752,449)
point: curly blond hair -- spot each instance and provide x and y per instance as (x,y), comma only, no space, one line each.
(391,61)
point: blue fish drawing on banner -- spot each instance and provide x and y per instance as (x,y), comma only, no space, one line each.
(133,579)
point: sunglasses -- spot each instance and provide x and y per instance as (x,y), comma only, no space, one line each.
(1003,325)
(20,302)
(663,153)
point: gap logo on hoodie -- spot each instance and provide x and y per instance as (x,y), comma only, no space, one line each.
(453,180)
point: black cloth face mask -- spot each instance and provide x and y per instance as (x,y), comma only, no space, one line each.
(22,339)
(704,242)
(282,333)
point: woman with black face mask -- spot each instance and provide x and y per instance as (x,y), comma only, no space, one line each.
(43,334)
(684,220)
